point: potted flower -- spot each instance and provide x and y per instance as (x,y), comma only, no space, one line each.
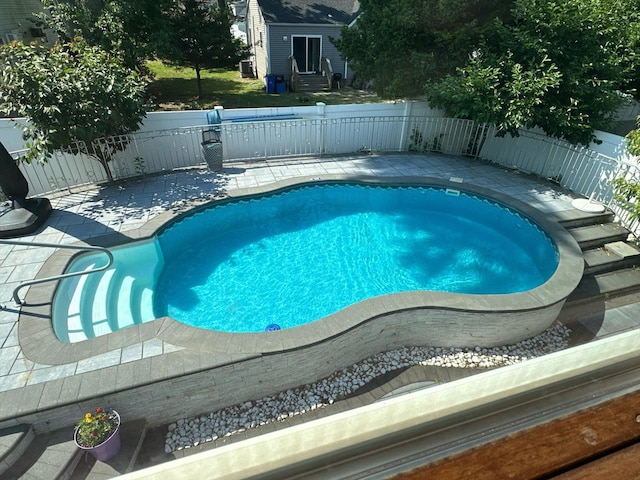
(99,433)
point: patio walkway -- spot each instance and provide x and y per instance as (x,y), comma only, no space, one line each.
(27,387)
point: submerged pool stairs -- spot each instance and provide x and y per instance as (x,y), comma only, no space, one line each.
(98,303)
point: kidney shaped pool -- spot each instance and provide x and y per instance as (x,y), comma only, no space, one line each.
(292,256)
(286,259)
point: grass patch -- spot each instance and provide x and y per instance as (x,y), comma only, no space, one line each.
(175,88)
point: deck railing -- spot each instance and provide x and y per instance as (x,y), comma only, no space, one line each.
(578,169)
(327,71)
(294,74)
(38,281)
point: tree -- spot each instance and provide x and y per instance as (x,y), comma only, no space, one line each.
(627,188)
(70,93)
(564,66)
(633,140)
(201,38)
(136,29)
(403,44)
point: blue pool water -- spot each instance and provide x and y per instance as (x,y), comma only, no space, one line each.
(297,256)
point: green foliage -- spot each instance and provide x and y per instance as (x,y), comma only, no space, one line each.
(507,96)
(633,140)
(96,428)
(200,38)
(70,93)
(628,194)
(140,166)
(628,190)
(562,67)
(135,29)
(420,144)
(402,44)
(175,88)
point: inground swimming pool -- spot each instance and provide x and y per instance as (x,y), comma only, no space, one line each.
(286,259)
(319,257)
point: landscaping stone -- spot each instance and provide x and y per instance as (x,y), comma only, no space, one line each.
(190,432)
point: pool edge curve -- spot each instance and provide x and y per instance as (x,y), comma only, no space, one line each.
(380,323)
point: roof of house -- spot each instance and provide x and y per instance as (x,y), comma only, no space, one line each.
(329,12)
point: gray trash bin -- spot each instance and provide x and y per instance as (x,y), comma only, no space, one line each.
(212,147)
(213,154)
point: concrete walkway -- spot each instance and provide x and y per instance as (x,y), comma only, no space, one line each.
(27,387)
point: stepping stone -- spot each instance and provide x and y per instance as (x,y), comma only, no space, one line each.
(597,235)
(622,249)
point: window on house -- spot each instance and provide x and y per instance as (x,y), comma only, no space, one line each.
(36,32)
(9,37)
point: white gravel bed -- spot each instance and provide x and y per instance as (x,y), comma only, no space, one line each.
(191,432)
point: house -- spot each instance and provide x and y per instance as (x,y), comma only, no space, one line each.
(17,23)
(239,26)
(280,31)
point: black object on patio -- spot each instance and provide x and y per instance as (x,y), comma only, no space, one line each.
(25,215)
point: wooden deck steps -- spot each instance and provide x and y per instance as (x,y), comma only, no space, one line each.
(312,84)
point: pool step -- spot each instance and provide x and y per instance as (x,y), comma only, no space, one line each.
(55,456)
(611,261)
(591,236)
(576,218)
(52,456)
(101,302)
(611,256)
(14,442)
(606,285)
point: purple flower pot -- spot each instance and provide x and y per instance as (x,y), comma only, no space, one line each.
(107,449)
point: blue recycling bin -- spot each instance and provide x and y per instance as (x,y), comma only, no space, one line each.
(270,81)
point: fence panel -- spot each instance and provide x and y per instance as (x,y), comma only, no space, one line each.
(62,171)
(438,134)
(347,135)
(252,141)
(576,168)
(164,150)
(581,170)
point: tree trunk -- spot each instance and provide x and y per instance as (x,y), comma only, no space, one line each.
(103,152)
(199,81)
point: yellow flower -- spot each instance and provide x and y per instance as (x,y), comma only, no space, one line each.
(94,428)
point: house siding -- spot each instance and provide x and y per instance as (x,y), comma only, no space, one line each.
(282,49)
(256,26)
(16,21)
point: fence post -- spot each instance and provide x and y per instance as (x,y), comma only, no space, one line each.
(322,110)
(408,106)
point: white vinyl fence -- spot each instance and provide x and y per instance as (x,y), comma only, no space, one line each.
(319,131)
(576,168)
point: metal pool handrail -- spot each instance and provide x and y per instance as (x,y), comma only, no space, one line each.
(16,297)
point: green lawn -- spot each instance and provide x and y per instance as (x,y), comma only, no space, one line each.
(176,89)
